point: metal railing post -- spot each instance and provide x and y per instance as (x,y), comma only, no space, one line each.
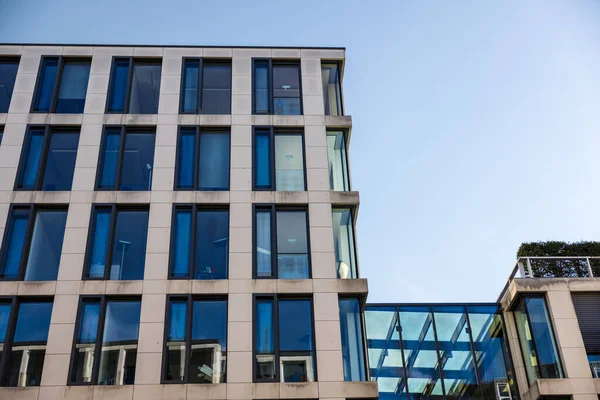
(589,267)
(529,270)
(521,268)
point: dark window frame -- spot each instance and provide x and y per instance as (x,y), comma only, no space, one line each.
(57,81)
(124,131)
(276,62)
(275,298)
(39,178)
(111,84)
(193,208)
(340,65)
(11,59)
(346,133)
(273,131)
(273,210)
(114,210)
(363,329)
(15,302)
(1,134)
(199,131)
(102,300)
(33,209)
(190,298)
(201,63)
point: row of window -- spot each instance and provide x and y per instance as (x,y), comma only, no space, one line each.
(203,159)
(116,247)
(134,86)
(195,347)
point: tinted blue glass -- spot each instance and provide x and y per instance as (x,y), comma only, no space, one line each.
(16,240)
(60,164)
(99,243)
(138,159)
(262,154)
(8,74)
(187,152)
(145,88)
(4,316)
(264,327)
(46,86)
(292,245)
(73,87)
(33,322)
(178,314)
(209,321)
(190,86)
(543,337)
(32,159)
(214,161)
(46,245)
(263,243)
(119,79)
(129,247)
(88,329)
(122,321)
(286,90)
(353,355)
(261,87)
(216,88)
(110,158)
(212,244)
(295,325)
(183,231)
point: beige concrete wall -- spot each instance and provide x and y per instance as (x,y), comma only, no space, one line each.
(324,287)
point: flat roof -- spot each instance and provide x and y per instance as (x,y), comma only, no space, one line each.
(171,45)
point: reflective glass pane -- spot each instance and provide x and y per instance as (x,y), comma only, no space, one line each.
(182,245)
(85,345)
(73,87)
(138,161)
(343,240)
(46,245)
(338,164)
(33,322)
(60,163)
(119,79)
(176,340)
(292,245)
(216,89)
(13,248)
(261,87)
(264,340)
(185,163)
(119,343)
(110,158)
(190,86)
(332,94)
(296,340)
(97,262)
(145,88)
(209,341)
(31,163)
(129,246)
(46,85)
(286,90)
(353,355)
(4,317)
(289,163)
(8,74)
(262,160)
(263,244)
(213,171)
(212,244)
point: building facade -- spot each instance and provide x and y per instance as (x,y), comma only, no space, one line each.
(177,222)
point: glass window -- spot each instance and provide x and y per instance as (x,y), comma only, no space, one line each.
(284,151)
(206,338)
(8,75)
(128,250)
(24,362)
(1,133)
(46,82)
(14,242)
(292,245)
(261,87)
(216,88)
(343,241)
(5,308)
(332,91)
(338,162)
(191,83)
(286,90)
(133,150)
(30,160)
(264,346)
(186,159)
(353,354)
(73,87)
(119,83)
(210,228)
(85,345)
(262,159)
(537,339)
(145,87)
(263,252)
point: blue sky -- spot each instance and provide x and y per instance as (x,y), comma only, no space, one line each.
(476,123)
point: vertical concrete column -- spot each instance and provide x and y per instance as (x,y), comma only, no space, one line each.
(515,352)
(328,338)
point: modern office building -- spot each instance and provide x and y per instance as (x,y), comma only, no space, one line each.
(178,223)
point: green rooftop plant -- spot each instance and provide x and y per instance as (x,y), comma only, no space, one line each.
(565,268)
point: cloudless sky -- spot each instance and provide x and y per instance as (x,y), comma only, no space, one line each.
(476,124)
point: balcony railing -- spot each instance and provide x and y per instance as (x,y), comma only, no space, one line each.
(554,267)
